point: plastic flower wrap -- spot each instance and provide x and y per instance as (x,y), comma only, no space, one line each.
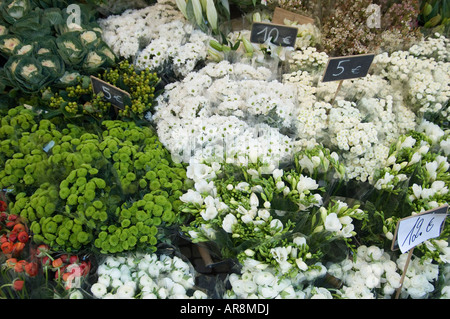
(417,175)
(425,92)
(77,98)
(146,276)
(157,37)
(61,187)
(260,281)
(258,213)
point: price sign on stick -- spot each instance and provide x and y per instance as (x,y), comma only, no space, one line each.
(414,230)
(348,67)
(279,15)
(111,93)
(278,34)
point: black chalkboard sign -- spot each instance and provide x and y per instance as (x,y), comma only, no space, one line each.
(279,34)
(111,93)
(349,67)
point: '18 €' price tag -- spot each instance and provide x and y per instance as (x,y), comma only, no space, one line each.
(414,230)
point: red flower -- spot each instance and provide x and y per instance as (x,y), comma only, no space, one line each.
(3,239)
(64,258)
(3,216)
(18,228)
(23,236)
(18,285)
(10,224)
(7,247)
(85,268)
(12,237)
(31,269)
(46,261)
(73,259)
(42,250)
(3,206)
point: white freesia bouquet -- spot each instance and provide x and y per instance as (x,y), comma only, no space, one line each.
(417,175)
(145,276)
(260,281)
(259,212)
(375,274)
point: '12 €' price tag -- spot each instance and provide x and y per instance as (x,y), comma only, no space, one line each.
(414,230)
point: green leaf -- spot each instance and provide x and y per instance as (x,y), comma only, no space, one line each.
(53,16)
(427,9)
(433,21)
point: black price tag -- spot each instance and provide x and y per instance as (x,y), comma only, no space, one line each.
(349,67)
(111,93)
(278,34)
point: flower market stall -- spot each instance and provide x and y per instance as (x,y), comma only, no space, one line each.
(169,149)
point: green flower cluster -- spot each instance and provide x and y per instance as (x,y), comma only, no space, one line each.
(140,160)
(42,203)
(23,150)
(13,122)
(89,185)
(79,98)
(137,227)
(61,233)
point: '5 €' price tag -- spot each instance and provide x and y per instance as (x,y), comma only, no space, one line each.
(349,67)
(414,230)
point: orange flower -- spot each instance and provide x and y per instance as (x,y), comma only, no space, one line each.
(18,285)
(60,272)
(10,262)
(19,266)
(57,263)
(7,247)
(31,269)
(66,276)
(17,248)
